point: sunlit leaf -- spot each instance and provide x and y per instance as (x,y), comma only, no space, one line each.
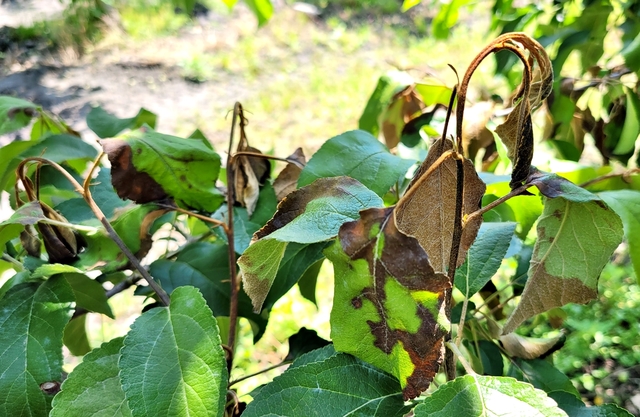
(106,125)
(93,388)
(15,113)
(172,361)
(631,129)
(263,9)
(388,85)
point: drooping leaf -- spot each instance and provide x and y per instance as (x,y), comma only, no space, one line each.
(518,346)
(488,396)
(15,113)
(287,181)
(32,321)
(75,336)
(248,173)
(106,125)
(93,388)
(359,155)
(89,294)
(9,160)
(427,209)
(334,387)
(626,204)
(308,280)
(172,361)
(148,166)
(304,342)
(577,233)
(574,407)
(388,300)
(315,212)
(484,257)
(491,358)
(542,375)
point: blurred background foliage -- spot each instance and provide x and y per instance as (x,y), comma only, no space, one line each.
(591,119)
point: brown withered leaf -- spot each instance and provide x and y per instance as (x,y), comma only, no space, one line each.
(62,244)
(389,301)
(128,182)
(249,172)
(517,130)
(286,182)
(427,210)
(404,106)
(475,135)
(530,347)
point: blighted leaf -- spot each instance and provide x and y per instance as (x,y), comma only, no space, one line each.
(388,85)
(259,265)
(519,346)
(93,388)
(248,174)
(484,257)
(287,181)
(32,321)
(15,113)
(315,212)
(427,209)
(388,300)
(542,375)
(626,204)
(172,361)
(75,336)
(106,125)
(148,166)
(358,155)
(303,342)
(488,396)
(577,233)
(29,213)
(339,385)
(404,106)
(574,407)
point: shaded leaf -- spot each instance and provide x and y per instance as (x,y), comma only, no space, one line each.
(491,358)
(484,257)
(542,375)
(148,166)
(29,213)
(75,336)
(175,351)
(106,125)
(626,204)
(32,321)
(577,233)
(89,294)
(427,209)
(519,346)
(488,396)
(574,407)
(287,181)
(333,387)
(388,300)
(304,342)
(308,280)
(93,388)
(15,113)
(358,155)
(315,212)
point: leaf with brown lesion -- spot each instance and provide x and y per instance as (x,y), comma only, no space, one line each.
(287,181)
(427,209)
(389,301)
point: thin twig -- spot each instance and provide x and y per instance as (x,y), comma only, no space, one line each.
(264,156)
(453,348)
(262,371)
(513,193)
(14,262)
(609,176)
(206,219)
(164,298)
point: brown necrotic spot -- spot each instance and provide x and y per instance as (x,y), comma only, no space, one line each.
(356,302)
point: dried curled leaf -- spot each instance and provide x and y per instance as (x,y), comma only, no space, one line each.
(389,301)
(287,181)
(427,210)
(404,106)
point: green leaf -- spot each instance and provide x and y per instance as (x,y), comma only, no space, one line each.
(491,358)
(487,396)
(185,169)
(259,265)
(89,294)
(29,213)
(340,385)
(631,129)
(388,298)
(9,161)
(576,408)
(106,125)
(314,213)
(75,336)
(61,148)
(172,361)
(315,356)
(15,113)
(631,54)
(388,85)
(577,233)
(484,257)
(32,321)
(626,204)
(205,266)
(407,4)
(446,18)
(48,270)
(93,388)
(304,342)
(308,280)
(263,9)
(542,375)
(358,155)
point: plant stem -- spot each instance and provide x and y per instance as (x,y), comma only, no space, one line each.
(263,156)
(453,348)
(198,216)
(14,262)
(513,193)
(609,176)
(262,371)
(86,194)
